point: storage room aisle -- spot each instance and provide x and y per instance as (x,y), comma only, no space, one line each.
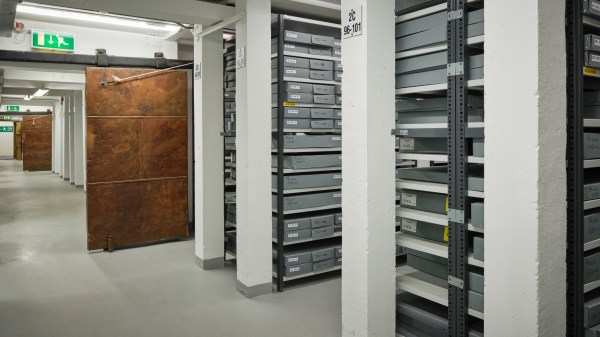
(58,289)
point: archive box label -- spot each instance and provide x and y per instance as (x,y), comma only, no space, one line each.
(409,225)
(409,199)
(407,144)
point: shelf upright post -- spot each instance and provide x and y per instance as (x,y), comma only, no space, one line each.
(280,149)
(574,38)
(457,170)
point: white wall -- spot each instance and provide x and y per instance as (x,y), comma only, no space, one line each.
(87,40)
(6,141)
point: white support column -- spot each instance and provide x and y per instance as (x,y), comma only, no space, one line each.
(72,139)
(368,166)
(78,158)
(525,184)
(66,164)
(55,167)
(208,143)
(253,144)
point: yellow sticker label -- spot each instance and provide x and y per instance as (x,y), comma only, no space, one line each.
(446,205)
(446,234)
(590,71)
(289,104)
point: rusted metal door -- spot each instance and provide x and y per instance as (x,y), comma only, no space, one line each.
(18,144)
(137,157)
(37,143)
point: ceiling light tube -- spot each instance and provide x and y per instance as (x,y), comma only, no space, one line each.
(41,92)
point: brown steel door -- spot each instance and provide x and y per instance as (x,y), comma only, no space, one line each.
(137,158)
(37,143)
(18,153)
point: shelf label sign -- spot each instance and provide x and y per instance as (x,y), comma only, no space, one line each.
(240,58)
(6,118)
(352,25)
(13,108)
(6,129)
(64,42)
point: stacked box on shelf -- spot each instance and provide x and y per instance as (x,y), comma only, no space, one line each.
(300,261)
(306,144)
(229,122)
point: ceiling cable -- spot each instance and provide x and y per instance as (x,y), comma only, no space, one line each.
(116,80)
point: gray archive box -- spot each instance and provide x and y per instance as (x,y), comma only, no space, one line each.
(291,47)
(322,221)
(424,145)
(321,51)
(297,269)
(301,162)
(295,258)
(337,114)
(475,301)
(591,112)
(324,99)
(591,268)
(591,313)
(430,104)
(323,89)
(424,201)
(591,98)
(321,75)
(293,224)
(338,89)
(294,72)
(337,43)
(338,219)
(476,282)
(323,254)
(323,232)
(231,208)
(299,97)
(432,77)
(338,76)
(591,191)
(477,215)
(420,25)
(439,174)
(321,40)
(478,147)
(591,145)
(424,230)
(591,7)
(294,62)
(293,112)
(274,88)
(297,202)
(591,59)
(323,265)
(337,52)
(427,264)
(337,124)
(338,251)
(338,261)
(297,37)
(435,116)
(308,141)
(321,113)
(321,65)
(338,66)
(478,248)
(338,100)
(433,61)
(591,227)
(592,42)
(337,228)
(294,182)
(274,63)
(291,236)
(321,124)
(295,87)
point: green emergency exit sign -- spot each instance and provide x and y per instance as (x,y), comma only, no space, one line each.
(7,118)
(41,39)
(13,108)
(6,129)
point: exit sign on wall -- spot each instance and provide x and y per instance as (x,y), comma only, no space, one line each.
(41,39)
(7,118)
(6,129)
(13,108)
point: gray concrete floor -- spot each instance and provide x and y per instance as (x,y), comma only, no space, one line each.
(51,286)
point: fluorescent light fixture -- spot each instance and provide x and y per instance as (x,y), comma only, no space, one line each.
(27,98)
(28,8)
(41,92)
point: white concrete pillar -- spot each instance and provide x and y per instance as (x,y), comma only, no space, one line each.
(525,184)
(66,164)
(368,166)
(78,143)
(72,139)
(55,167)
(253,144)
(208,154)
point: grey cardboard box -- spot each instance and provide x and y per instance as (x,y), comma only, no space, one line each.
(591,145)
(299,97)
(592,42)
(435,116)
(230,140)
(475,301)
(298,269)
(295,258)
(322,221)
(320,113)
(294,48)
(322,40)
(338,76)
(323,254)
(591,227)
(591,191)
(231,218)
(304,201)
(302,181)
(300,162)
(321,51)
(439,174)
(420,25)
(338,66)
(323,265)
(338,89)
(321,65)
(274,88)
(338,251)
(292,236)
(476,282)
(337,114)
(591,313)
(477,218)
(295,62)
(430,104)
(296,37)
(337,228)
(424,145)
(478,147)
(427,266)
(591,98)
(591,112)
(423,201)
(290,123)
(337,124)
(338,261)
(321,75)
(323,89)
(231,208)
(478,248)
(434,35)
(308,141)
(321,124)
(324,99)
(431,77)
(229,63)
(591,268)
(229,77)
(592,59)
(337,52)
(231,243)
(432,61)
(338,219)
(338,100)
(296,72)
(323,232)
(293,224)
(274,63)
(424,230)
(591,7)
(337,43)
(289,112)
(294,87)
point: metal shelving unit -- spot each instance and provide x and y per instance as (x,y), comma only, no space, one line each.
(229,144)
(302,33)
(423,141)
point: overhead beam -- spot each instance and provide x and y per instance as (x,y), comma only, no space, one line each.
(40,76)
(312,9)
(8,9)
